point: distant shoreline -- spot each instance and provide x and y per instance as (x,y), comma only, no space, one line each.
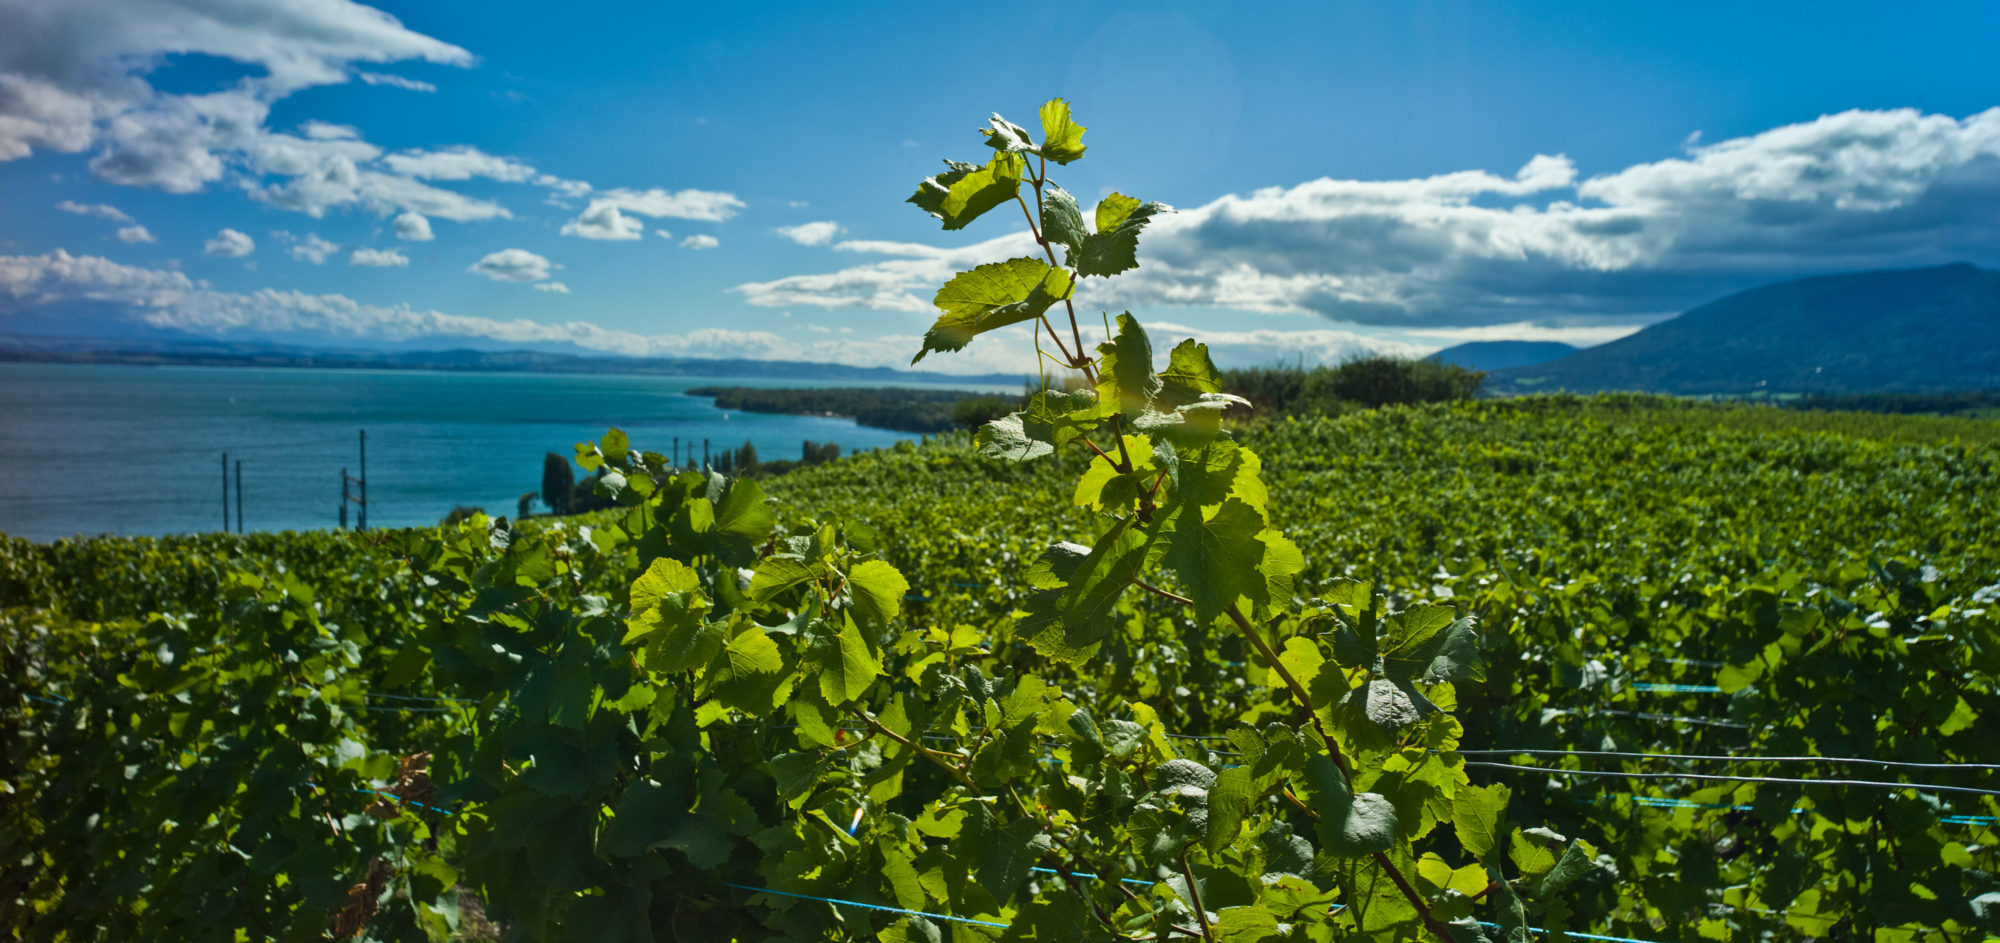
(470,361)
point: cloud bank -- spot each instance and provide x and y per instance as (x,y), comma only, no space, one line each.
(1859,189)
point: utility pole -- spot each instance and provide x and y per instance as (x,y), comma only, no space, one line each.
(239,496)
(225,492)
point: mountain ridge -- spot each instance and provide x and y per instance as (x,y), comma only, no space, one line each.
(44,348)
(1911,330)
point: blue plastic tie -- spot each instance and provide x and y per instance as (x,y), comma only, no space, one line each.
(856,903)
(1094,877)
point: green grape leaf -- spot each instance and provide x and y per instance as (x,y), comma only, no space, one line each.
(993,296)
(1062,137)
(1125,367)
(1229,802)
(1189,374)
(878,590)
(1577,860)
(1114,248)
(964,192)
(743,519)
(615,446)
(1062,220)
(1476,815)
(1219,557)
(1102,577)
(1247,924)
(667,595)
(846,666)
(1350,825)
(1006,136)
(748,670)
(778,573)
(1005,439)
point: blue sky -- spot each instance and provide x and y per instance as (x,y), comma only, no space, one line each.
(1351,176)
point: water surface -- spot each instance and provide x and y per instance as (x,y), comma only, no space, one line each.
(138,450)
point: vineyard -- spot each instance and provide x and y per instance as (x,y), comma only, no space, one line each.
(1613,668)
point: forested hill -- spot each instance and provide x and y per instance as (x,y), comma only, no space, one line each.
(1898,330)
(1499,355)
(901,409)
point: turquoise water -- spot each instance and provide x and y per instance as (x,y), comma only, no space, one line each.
(138,450)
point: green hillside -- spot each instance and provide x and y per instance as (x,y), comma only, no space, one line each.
(1500,355)
(1902,330)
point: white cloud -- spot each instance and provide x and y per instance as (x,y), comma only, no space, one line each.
(1581,335)
(413,227)
(378,258)
(313,249)
(811,234)
(1860,189)
(71,76)
(663,234)
(327,131)
(705,205)
(101,210)
(700,241)
(513,265)
(898,284)
(555,287)
(602,220)
(170,299)
(134,234)
(395,81)
(458,163)
(230,244)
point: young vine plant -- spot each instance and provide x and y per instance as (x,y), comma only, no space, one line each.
(756,744)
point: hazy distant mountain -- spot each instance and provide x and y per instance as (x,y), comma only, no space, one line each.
(1499,355)
(198,351)
(1894,330)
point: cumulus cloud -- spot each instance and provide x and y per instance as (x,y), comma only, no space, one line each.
(313,249)
(100,210)
(606,215)
(513,265)
(170,299)
(554,287)
(1859,189)
(700,241)
(135,234)
(70,75)
(378,258)
(230,244)
(705,205)
(663,234)
(395,81)
(811,234)
(327,131)
(413,227)
(602,220)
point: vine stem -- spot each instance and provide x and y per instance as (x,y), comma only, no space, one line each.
(1339,760)
(921,750)
(1194,892)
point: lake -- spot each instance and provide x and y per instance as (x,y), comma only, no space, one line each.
(138,450)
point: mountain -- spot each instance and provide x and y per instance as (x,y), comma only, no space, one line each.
(1893,330)
(194,351)
(1499,355)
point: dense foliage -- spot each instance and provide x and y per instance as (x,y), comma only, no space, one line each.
(1106,672)
(904,410)
(1362,382)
